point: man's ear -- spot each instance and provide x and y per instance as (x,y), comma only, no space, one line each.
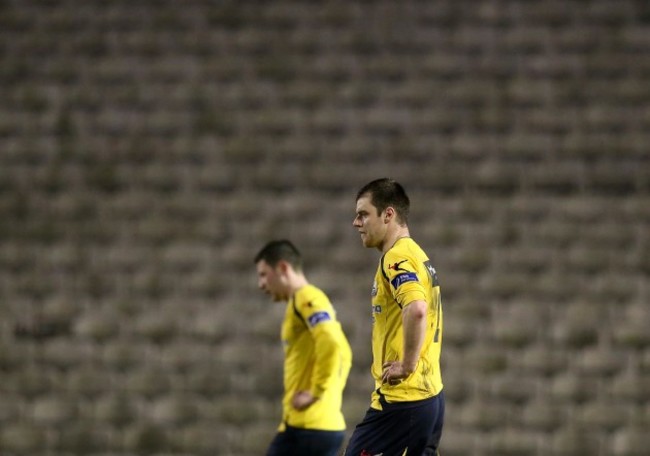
(283,266)
(389,213)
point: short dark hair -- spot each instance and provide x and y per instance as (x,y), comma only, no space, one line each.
(387,192)
(280,250)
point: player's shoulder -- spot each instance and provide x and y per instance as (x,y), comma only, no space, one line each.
(314,306)
(404,249)
(405,256)
(311,296)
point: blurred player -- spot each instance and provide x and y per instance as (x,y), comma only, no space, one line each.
(317,357)
(407,406)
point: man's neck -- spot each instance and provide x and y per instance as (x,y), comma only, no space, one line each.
(395,235)
(298,281)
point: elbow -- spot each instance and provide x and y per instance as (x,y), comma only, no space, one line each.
(417,310)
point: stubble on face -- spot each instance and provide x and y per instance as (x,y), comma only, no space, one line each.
(367,222)
(269,281)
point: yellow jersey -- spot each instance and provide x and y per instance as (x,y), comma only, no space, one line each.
(404,275)
(317,358)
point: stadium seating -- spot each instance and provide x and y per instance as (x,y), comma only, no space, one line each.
(148,150)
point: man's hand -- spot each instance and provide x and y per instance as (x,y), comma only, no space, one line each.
(394,372)
(302,400)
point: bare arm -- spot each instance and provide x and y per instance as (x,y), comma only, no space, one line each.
(414,319)
(414,327)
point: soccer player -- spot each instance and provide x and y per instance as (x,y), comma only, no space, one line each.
(407,406)
(317,357)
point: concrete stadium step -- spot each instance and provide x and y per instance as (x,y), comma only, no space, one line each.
(146,153)
(632,441)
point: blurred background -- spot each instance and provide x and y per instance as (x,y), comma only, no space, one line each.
(148,149)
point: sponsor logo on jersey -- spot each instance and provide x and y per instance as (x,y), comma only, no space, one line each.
(376,309)
(403,278)
(373,291)
(398,266)
(318,317)
(432,273)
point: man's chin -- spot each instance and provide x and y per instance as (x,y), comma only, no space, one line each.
(366,243)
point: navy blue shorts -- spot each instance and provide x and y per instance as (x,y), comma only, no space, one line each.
(416,426)
(300,442)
